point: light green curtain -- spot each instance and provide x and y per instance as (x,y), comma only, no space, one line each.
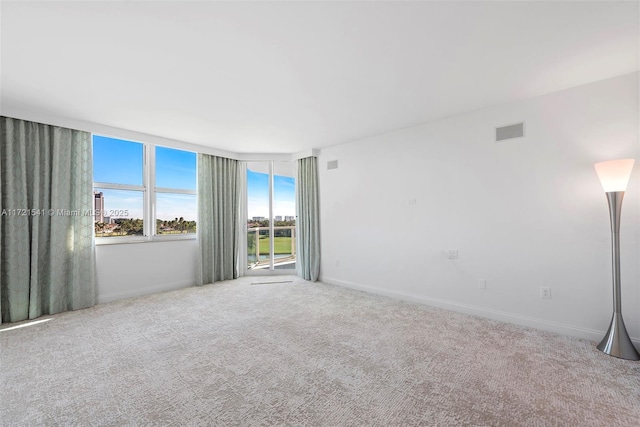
(308,221)
(47,247)
(218,225)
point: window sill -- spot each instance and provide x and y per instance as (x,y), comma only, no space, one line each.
(105,241)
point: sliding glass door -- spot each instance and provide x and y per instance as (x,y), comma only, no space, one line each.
(271,240)
(284,215)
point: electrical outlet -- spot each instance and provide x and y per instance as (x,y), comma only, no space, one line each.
(545,293)
(452,254)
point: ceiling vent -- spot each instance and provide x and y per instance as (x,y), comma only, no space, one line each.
(333,164)
(510,132)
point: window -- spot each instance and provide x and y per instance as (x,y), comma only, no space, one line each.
(142,191)
(175,191)
(118,187)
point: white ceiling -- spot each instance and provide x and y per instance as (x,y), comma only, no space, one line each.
(281,77)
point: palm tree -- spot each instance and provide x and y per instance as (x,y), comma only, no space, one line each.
(99,228)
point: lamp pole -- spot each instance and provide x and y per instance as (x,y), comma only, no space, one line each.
(614,176)
(616,341)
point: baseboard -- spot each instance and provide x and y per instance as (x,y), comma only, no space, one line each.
(114,296)
(503,316)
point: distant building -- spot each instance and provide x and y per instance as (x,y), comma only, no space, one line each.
(107,220)
(98,206)
(289,218)
(258,218)
(278,218)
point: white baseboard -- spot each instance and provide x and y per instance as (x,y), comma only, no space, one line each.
(114,296)
(503,316)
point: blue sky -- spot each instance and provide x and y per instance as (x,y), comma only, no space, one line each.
(121,162)
(116,161)
(258,195)
(175,169)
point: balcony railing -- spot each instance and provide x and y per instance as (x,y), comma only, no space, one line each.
(284,248)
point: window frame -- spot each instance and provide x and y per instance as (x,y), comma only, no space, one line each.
(149,191)
(153,191)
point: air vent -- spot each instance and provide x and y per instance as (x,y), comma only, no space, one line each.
(510,132)
(333,164)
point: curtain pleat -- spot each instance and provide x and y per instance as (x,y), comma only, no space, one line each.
(308,224)
(218,226)
(47,247)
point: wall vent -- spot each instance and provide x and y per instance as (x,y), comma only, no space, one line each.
(333,164)
(510,132)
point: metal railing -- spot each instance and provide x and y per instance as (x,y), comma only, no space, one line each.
(289,258)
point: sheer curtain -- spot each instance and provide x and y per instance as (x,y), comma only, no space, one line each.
(218,220)
(47,248)
(307,224)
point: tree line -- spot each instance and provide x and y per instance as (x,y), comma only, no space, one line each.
(134,227)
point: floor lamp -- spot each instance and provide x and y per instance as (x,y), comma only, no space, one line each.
(614,176)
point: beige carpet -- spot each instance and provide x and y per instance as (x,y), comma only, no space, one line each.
(299,353)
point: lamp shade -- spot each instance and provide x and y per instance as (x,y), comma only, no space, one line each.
(614,174)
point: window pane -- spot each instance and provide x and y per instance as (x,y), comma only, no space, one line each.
(116,161)
(258,210)
(175,169)
(175,213)
(118,212)
(284,211)
(257,194)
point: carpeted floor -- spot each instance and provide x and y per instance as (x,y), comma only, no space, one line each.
(302,353)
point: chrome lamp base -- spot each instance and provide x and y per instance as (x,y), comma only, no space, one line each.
(616,341)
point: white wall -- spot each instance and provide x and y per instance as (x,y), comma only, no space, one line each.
(133,269)
(523,213)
